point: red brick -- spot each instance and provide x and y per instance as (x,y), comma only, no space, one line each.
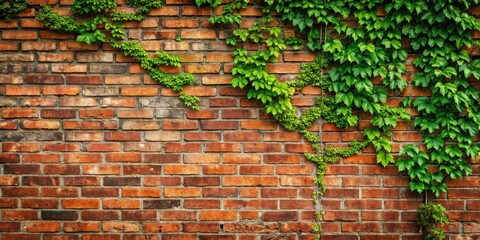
(70,227)
(162,181)
(82,181)
(135,113)
(140,125)
(141,169)
(55,57)
(83,136)
(40,124)
(218,215)
(19,192)
(218,125)
(249,181)
(180,147)
(96,113)
(121,203)
(101,147)
(90,125)
(181,169)
(61,147)
(78,102)
(82,79)
(40,203)
(198,34)
(101,169)
(9,158)
(258,125)
(22,90)
(201,227)
(21,169)
(179,23)
(136,215)
(10,227)
(123,157)
(141,192)
(19,35)
(10,181)
(80,203)
(21,147)
(219,169)
(42,227)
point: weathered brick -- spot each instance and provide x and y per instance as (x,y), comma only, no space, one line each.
(161,204)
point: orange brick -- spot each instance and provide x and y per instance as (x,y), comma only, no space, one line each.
(42,227)
(182,192)
(22,90)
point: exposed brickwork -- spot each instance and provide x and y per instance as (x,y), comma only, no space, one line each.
(93,149)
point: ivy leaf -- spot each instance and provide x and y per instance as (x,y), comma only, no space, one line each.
(372,133)
(384,158)
(433,142)
(381,144)
(404,164)
(417,186)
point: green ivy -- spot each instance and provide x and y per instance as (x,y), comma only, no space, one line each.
(440,32)
(8,8)
(102,22)
(430,217)
(450,118)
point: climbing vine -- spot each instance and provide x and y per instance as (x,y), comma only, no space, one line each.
(102,22)
(366,48)
(8,8)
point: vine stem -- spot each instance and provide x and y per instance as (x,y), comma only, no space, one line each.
(318,204)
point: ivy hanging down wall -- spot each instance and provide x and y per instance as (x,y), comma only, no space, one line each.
(361,49)
(101,22)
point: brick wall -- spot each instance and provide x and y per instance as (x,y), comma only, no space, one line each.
(92,148)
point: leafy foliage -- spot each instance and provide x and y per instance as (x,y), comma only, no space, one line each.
(56,22)
(92,7)
(450,117)
(430,217)
(103,23)
(212,3)
(373,49)
(8,8)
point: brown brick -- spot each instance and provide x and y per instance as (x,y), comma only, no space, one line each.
(40,181)
(146,215)
(99,215)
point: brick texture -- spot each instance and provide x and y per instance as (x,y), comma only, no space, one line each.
(93,149)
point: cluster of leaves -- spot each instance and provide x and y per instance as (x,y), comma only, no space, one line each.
(440,31)
(102,22)
(230,14)
(449,119)
(430,217)
(251,68)
(375,49)
(8,8)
